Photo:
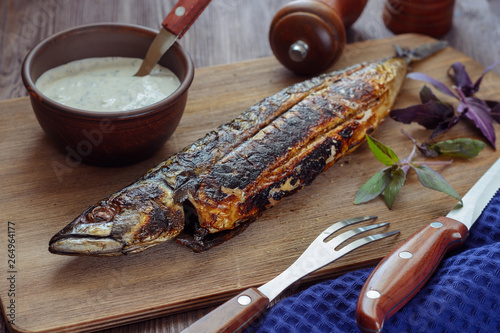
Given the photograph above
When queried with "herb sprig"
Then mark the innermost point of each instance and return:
(388, 181)
(441, 116)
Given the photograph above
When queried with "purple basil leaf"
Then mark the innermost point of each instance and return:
(478, 82)
(420, 113)
(437, 84)
(430, 115)
(444, 126)
(461, 78)
(495, 111)
(479, 112)
(491, 104)
(426, 95)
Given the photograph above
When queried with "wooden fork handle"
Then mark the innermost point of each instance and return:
(234, 315)
(183, 15)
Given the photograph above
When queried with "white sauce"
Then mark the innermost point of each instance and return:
(106, 84)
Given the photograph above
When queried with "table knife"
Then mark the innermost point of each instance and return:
(404, 271)
(177, 22)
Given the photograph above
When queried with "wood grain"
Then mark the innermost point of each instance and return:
(228, 31)
(58, 293)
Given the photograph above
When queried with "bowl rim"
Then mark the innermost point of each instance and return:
(108, 115)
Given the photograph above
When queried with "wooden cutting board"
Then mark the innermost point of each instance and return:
(59, 293)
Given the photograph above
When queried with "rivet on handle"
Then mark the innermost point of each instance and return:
(244, 300)
(180, 11)
(405, 255)
(373, 294)
(436, 224)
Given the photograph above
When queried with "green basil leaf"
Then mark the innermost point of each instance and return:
(391, 191)
(433, 180)
(382, 153)
(373, 187)
(461, 148)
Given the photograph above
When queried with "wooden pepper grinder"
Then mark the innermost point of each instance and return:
(307, 36)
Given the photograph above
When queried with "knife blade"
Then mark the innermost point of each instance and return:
(404, 271)
(177, 22)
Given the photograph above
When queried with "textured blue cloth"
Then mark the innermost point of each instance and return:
(462, 296)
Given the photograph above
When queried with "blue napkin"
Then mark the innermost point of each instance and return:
(462, 296)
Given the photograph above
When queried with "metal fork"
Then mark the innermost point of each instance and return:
(237, 313)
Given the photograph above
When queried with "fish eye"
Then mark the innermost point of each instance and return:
(101, 214)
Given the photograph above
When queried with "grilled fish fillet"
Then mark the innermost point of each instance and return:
(214, 188)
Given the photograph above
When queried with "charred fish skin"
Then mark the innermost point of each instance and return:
(211, 190)
(205, 152)
(273, 164)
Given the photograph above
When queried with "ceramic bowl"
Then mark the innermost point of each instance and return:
(106, 138)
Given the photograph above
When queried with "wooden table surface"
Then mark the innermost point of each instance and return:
(228, 31)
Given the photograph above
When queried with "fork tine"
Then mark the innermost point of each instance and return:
(364, 241)
(351, 233)
(342, 224)
(320, 253)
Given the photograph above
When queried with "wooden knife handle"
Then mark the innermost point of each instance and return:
(183, 15)
(234, 315)
(404, 271)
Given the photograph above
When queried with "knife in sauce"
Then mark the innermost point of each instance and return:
(404, 271)
(177, 22)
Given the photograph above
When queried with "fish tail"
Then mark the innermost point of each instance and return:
(420, 52)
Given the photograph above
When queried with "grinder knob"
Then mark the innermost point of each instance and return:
(307, 36)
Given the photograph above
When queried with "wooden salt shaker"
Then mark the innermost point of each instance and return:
(429, 17)
(307, 36)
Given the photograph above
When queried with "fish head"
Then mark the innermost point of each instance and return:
(129, 221)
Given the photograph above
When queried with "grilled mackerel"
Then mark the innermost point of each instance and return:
(214, 188)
